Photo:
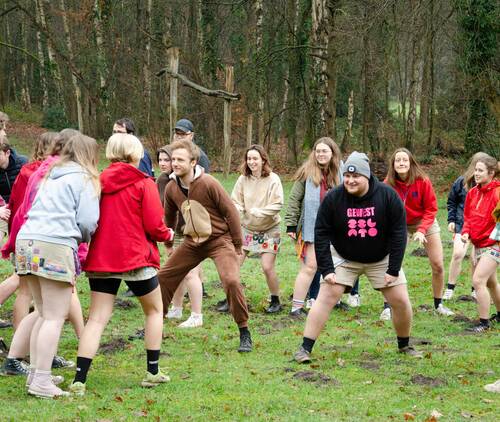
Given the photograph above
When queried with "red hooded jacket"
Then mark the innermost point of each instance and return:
(420, 202)
(130, 222)
(478, 220)
(19, 187)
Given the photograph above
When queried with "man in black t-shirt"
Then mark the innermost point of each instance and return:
(360, 229)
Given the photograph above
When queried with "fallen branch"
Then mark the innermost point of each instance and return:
(231, 96)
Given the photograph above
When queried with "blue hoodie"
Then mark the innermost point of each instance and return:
(65, 210)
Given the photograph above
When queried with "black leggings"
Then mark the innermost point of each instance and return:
(111, 285)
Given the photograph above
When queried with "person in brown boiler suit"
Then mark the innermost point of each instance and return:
(212, 230)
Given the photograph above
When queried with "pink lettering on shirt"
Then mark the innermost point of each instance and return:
(359, 224)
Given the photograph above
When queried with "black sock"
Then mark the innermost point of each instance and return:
(472, 289)
(153, 356)
(437, 302)
(82, 368)
(275, 299)
(498, 316)
(308, 344)
(244, 331)
(451, 286)
(386, 305)
(484, 322)
(403, 342)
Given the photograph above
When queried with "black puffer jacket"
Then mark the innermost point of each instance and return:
(455, 204)
(8, 175)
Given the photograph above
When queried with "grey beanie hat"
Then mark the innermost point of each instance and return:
(357, 162)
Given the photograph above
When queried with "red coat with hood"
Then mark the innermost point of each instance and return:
(479, 205)
(420, 202)
(130, 223)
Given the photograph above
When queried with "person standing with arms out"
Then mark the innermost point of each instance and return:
(319, 174)
(64, 213)
(124, 248)
(258, 196)
(212, 230)
(415, 190)
(455, 205)
(192, 281)
(480, 229)
(365, 222)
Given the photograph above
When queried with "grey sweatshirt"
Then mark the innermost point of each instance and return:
(65, 209)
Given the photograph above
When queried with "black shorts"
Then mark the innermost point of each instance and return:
(111, 285)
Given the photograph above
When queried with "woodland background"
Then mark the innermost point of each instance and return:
(372, 74)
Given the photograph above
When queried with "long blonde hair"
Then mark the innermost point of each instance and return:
(82, 150)
(311, 168)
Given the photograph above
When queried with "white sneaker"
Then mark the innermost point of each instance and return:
(354, 301)
(443, 310)
(386, 314)
(493, 388)
(195, 320)
(310, 303)
(174, 313)
(474, 295)
(448, 294)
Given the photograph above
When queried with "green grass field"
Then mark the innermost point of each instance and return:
(356, 373)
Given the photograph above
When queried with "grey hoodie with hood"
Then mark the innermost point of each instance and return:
(65, 210)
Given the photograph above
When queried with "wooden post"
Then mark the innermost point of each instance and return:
(174, 67)
(249, 130)
(227, 120)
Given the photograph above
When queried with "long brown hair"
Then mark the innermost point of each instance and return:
(43, 146)
(60, 140)
(266, 165)
(311, 168)
(415, 172)
(469, 173)
(491, 164)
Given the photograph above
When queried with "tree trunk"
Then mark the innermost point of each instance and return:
(41, 58)
(25, 88)
(412, 89)
(69, 46)
(147, 63)
(227, 121)
(174, 67)
(102, 66)
(259, 84)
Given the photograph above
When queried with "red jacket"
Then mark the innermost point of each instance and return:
(130, 222)
(420, 202)
(19, 187)
(478, 220)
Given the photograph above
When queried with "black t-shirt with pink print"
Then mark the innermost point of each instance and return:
(361, 229)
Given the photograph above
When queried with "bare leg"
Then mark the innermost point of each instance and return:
(152, 307)
(101, 309)
(22, 303)
(8, 287)
(20, 344)
(178, 298)
(56, 298)
(434, 250)
(459, 251)
(305, 275)
(267, 261)
(75, 314)
(193, 283)
(329, 295)
(485, 275)
(397, 297)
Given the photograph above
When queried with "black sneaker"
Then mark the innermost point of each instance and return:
(60, 362)
(342, 306)
(298, 314)
(223, 306)
(4, 349)
(5, 324)
(478, 329)
(245, 343)
(139, 335)
(274, 308)
(14, 367)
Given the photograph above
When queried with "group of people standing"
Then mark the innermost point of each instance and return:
(344, 222)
